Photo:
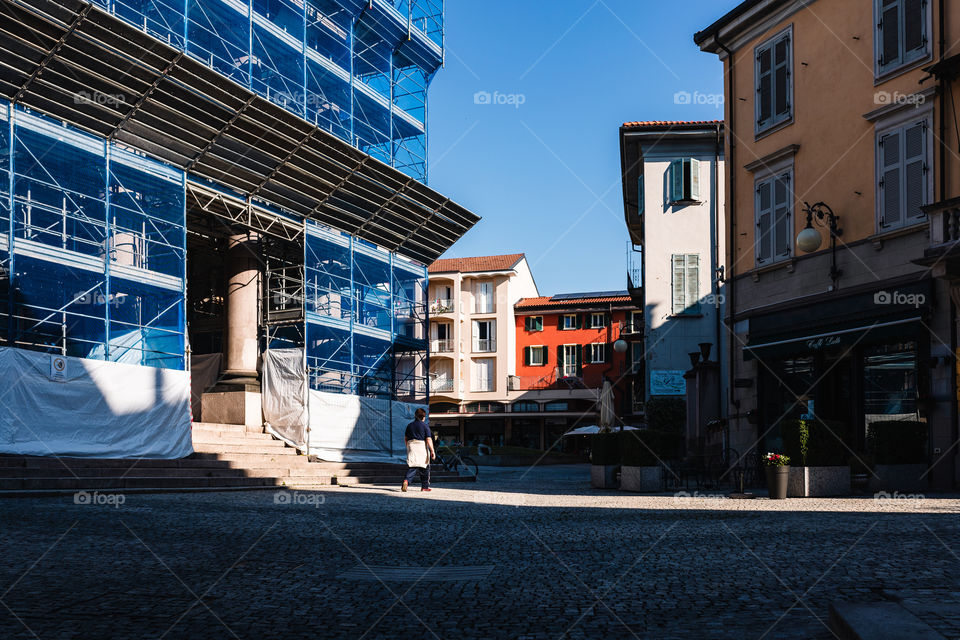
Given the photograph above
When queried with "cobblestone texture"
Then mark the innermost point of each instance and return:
(567, 561)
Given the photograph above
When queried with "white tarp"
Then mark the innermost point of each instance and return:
(284, 395)
(54, 405)
(354, 428)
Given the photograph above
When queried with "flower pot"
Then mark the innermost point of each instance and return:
(777, 481)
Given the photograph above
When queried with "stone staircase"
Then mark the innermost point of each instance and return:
(227, 458)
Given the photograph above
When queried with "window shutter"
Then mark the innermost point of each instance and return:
(692, 283)
(560, 358)
(694, 179)
(526, 356)
(560, 321)
(579, 320)
(544, 354)
(676, 181)
(579, 357)
(764, 85)
(914, 170)
(606, 320)
(606, 353)
(781, 218)
(678, 285)
(764, 241)
(526, 323)
(890, 213)
(781, 88)
(889, 33)
(914, 23)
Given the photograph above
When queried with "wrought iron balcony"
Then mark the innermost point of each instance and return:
(484, 346)
(441, 306)
(441, 346)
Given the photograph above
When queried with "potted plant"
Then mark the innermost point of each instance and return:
(642, 453)
(818, 447)
(604, 460)
(778, 473)
(899, 448)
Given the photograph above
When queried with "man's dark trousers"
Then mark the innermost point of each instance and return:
(424, 476)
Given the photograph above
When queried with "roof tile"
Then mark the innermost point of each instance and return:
(651, 124)
(480, 263)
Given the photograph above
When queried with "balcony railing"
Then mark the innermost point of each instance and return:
(441, 346)
(441, 306)
(944, 225)
(440, 386)
(484, 346)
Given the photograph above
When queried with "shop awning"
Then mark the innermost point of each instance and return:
(904, 327)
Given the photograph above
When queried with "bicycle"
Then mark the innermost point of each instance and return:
(452, 460)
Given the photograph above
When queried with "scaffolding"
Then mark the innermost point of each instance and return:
(359, 69)
(93, 248)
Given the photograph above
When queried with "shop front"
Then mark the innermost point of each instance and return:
(849, 362)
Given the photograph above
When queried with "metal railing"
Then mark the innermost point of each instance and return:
(441, 306)
(441, 385)
(484, 346)
(441, 346)
(488, 306)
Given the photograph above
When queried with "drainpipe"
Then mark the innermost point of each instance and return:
(717, 231)
(731, 199)
(944, 86)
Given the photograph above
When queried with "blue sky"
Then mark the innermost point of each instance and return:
(542, 166)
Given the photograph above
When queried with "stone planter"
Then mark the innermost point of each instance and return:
(903, 478)
(640, 478)
(818, 482)
(604, 476)
(777, 478)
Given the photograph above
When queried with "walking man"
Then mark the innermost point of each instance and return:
(419, 451)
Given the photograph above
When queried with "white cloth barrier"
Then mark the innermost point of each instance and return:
(284, 395)
(345, 428)
(53, 405)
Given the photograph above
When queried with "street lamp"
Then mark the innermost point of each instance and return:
(809, 239)
(620, 346)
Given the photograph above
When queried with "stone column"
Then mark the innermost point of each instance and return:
(243, 289)
(235, 399)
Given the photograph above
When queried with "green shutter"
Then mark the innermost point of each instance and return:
(606, 352)
(545, 352)
(526, 356)
(579, 351)
(694, 179)
(526, 323)
(560, 359)
(676, 181)
(560, 321)
(641, 196)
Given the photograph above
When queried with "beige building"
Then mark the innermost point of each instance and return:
(473, 339)
(842, 310)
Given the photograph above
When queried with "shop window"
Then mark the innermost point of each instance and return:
(525, 406)
(890, 382)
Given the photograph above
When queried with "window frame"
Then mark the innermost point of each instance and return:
(528, 355)
(899, 123)
(564, 321)
(528, 324)
(885, 72)
(771, 178)
(593, 353)
(687, 190)
(775, 121)
(603, 320)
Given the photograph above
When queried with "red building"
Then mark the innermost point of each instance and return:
(564, 351)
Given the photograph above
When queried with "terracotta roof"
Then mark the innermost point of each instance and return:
(567, 300)
(653, 124)
(480, 263)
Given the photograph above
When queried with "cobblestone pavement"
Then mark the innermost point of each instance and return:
(518, 555)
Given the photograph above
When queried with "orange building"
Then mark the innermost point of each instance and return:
(564, 352)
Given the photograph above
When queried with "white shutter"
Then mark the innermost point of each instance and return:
(764, 208)
(694, 179)
(678, 288)
(891, 213)
(914, 170)
(476, 334)
(781, 216)
(692, 283)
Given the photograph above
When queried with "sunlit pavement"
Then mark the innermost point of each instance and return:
(520, 554)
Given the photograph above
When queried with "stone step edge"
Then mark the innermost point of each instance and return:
(884, 620)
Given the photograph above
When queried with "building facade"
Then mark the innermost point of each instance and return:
(838, 216)
(472, 342)
(674, 208)
(565, 352)
(227, 195)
